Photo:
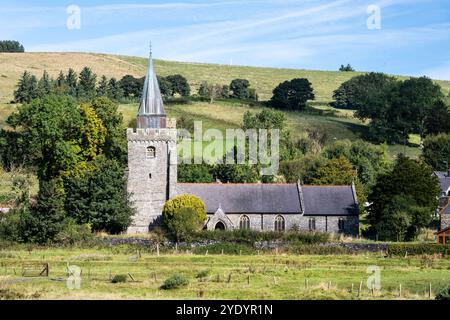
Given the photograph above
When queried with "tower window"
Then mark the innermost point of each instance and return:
(151, 152)
(149, 175)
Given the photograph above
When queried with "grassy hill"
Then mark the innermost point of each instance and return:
(12, 65)
(339, 124)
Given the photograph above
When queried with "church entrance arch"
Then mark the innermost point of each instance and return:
(220, 226)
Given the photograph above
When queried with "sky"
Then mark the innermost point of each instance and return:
(405, 37)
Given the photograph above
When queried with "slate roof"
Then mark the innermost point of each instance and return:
(443, 180)
(273, 198)
(329, 201)
(245, 198)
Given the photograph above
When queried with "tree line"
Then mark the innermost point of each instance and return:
(78, 151)
(396, 108)
(11, 46)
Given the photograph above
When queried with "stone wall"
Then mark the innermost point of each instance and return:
(262, 245)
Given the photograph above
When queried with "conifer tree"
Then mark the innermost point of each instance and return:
(102, 90)
(86, 85)
(72, 82)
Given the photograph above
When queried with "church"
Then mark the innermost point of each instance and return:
(152, 180)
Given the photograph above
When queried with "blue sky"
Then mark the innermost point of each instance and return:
(414, 38)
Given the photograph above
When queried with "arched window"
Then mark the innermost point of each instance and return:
(151, 152)
(244, 222)
(279, 223)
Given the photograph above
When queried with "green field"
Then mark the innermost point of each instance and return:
(265, 276)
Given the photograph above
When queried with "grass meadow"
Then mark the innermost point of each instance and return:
(259, 276)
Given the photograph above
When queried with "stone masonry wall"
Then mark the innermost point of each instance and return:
(150, 179)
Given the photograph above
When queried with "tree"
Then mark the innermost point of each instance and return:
(302, 169)
(340, 172)
(60, 84)
(368, 160)
(178, 85)
(292, 95)
(240, 89)
(114, 90)
(353, 93)
(436, 151)
(102, 89)
(266, 119)
(72, 82)
(44, 85)
(99, 197)
(396, 108)
(347, 68)
(44, 220)
(11, 46)
(165, 86)
(183, 215)
(115, 146)
(131, 86)
(27, 88)
(51, 128)
(195, 173)
(86, 85)
(413, 180)
(438, 120)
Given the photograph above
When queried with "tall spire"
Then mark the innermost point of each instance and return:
(151, 108)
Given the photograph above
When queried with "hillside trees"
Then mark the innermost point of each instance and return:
(436, 151)
(178, 85)
(292, 95)
(395, 108)
(74, 148)
(405, 197)
(240, 89)
(11, 46)
(438, 119)
(27, 88)
(353, 94)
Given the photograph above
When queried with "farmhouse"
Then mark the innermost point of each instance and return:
(152, 180)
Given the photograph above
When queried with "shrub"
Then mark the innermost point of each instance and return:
(120, 278)
(174, 282)
(247, 236)
(183, 215)
(226, 248)
(203, 274)
(444, 294)
(73, 233)
(400, 249)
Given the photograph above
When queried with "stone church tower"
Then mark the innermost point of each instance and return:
(152, 157)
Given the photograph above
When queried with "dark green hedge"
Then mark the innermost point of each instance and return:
(417, 249)
(251, 236)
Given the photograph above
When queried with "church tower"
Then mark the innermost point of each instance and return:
(152, 157)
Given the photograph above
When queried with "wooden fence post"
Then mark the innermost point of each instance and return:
(359, 289)
(429, 291)
(157, 249)
(400, 290)
(248, 279)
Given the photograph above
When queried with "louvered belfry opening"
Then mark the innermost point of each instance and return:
(151, 109)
